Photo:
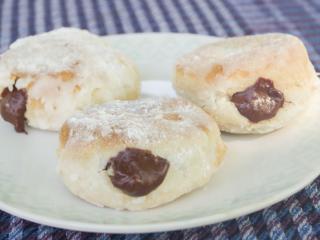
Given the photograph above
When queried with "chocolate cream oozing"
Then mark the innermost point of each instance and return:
(260, 101)
(13, 107)
(137, 172)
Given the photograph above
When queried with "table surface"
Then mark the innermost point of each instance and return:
(297, 217)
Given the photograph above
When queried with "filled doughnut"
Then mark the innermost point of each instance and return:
(138, 154)
(251, 84)
(48, 77)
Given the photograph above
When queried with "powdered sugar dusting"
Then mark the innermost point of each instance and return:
(238, 53)
(66, 70)
(263, 103)
(145, 120)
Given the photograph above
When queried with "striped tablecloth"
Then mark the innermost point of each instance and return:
(298, 217)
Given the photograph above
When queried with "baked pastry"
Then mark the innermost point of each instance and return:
(138, 154)
(251, 84)
(46, 78)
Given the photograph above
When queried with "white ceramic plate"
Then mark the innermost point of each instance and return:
(258, 170)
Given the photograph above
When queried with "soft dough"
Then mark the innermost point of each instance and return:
(64, 71)
(174, 130)
(212, 75)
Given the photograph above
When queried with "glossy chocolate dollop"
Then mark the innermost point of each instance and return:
(260, 101)
(13, 107)
(137, 172)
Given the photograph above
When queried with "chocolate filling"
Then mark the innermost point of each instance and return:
(13, 107)
(260, 101)
(137, 172)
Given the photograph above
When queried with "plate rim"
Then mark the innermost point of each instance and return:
(156, 34)
(157, 227)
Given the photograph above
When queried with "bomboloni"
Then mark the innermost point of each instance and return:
(138, 154)
(250, 84)
(48, 77)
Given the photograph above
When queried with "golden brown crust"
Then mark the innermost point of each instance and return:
(35, 104)
(68, 70)
(221, 151)
(213, 62)
(172, 117)
(173, 129)
(211, 74)
(123, 117)
(65, 76)
(64, 135)
(214, 72)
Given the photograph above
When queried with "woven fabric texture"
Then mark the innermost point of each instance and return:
(297, 217)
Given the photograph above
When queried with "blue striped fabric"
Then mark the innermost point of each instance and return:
(298, 217)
